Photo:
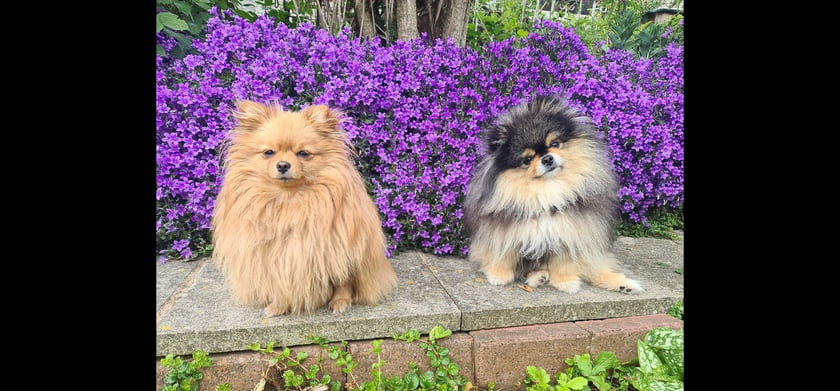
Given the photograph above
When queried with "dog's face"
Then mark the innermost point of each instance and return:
(286, 148)
(537, 159)
(544, 140)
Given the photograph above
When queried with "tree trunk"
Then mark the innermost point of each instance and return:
(330, 15)
(454, 21)
(406, 20)
(364, 19)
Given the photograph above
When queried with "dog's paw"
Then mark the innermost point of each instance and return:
(274, 310)
(568, 286)
(630, 287)
(494, 280)
(537, 278)
(499, 276)
(339, 304)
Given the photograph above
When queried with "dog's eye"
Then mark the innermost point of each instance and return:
(527, 161)
(268, 153)
(555, 144)
(303, 154)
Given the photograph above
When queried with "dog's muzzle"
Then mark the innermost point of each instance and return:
(548, 163)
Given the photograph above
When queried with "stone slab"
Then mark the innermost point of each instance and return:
(205, 316)
(170, 275)
(653, 262)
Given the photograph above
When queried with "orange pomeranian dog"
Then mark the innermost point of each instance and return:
(293, 227)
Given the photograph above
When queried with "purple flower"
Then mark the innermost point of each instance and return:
(413, 111)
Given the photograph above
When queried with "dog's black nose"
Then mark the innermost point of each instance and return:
(283, 167)
(547, 160)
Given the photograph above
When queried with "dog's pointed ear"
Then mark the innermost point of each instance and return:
(323, 116)
(327, 121)
(250, 114)
(496, 136)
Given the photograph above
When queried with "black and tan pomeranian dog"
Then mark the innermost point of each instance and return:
(294, 228)
(542, 203)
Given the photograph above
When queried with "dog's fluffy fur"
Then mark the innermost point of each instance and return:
(542, 203)
(293, 227)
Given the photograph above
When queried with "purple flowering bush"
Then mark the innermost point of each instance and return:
(413, 112)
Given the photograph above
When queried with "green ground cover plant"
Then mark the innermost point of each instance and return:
(184, 375)
(659, 366)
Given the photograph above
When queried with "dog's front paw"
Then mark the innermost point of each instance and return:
(496, 280)
(274, 310)
(568, 286)
(630, 287)
(499, 276)
(537, 278)
(339, 304)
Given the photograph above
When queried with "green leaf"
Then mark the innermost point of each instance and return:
(649, 362)
(411, 380)
(427, 380)
(204, 4)
(659, 385)
(170, 20)
(665, 338)
(439, 332)
(674, 361)
(333, 354)
(184, 7)
(600, 382)
(604, 361)
(577, 383)
(538, 374)
(584, 364)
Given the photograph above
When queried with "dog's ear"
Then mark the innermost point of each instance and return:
(495, 136)
(322, 116)
(250, 114)
(327, 122)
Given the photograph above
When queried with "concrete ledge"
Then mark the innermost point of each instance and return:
(495, 329)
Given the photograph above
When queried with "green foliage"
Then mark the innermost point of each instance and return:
(498, 20)
(676, 310)
(661, 224)
(604, 373)
(184, 375)
(184, 20)
(290, 13)
(537, 379)
(618, 24)
(643, 40)
(609, 24)
(592, 29)
(295, 374)
(443, 375)
(661, 361)
(659, 366)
